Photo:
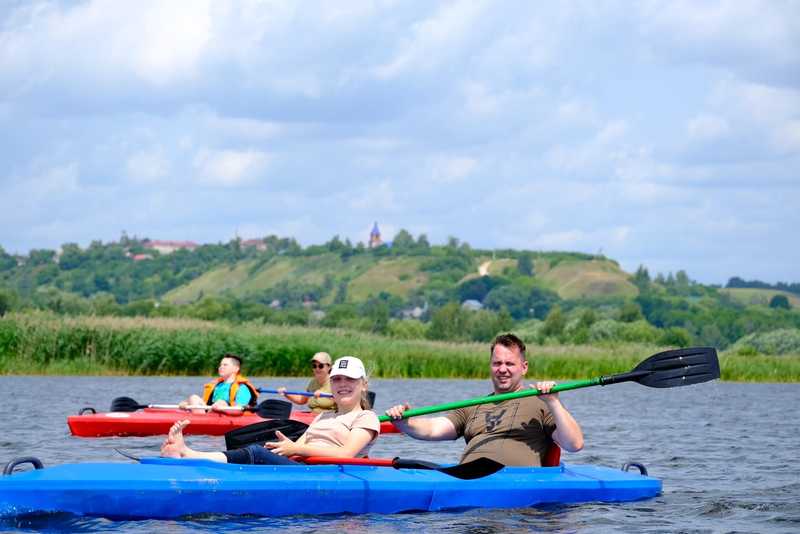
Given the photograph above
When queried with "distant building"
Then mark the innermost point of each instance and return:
(471, 305)
(140, 257)
(257, 244)
(375, 236)
(414, 313)
(168, 247)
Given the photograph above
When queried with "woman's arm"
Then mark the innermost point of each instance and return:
(356, 441)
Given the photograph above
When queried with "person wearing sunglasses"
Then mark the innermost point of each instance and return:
(321, 383)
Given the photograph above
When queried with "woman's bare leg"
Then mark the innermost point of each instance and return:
(174, 446)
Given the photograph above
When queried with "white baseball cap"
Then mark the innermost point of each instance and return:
(349, 366)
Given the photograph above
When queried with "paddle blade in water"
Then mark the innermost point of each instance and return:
(680, 367)
(478, 468)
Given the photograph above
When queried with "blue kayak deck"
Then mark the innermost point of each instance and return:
(166, 488)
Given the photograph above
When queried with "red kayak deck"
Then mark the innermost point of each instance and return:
(153, 422)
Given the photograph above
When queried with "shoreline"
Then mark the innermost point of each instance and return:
(50, 345)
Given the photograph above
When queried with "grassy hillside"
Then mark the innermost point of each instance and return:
(395, 276)
(366, 275)
(583, 279)
(759, 297)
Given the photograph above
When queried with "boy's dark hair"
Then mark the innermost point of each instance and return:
(233, 357)
(509, 341)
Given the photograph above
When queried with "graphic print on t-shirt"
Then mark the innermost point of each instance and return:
(491, 420)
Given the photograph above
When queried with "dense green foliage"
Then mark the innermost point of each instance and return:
(48, 343)
(782, 286)
(411, 290)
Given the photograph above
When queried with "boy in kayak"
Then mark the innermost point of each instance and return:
(512, 432)
(348, 432)
(321, 367)
(230, 389)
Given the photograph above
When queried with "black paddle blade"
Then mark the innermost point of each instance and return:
(274, 409)
(478, 468)
(263, 432)
(370, 399)
(125, 404)
(680, 367)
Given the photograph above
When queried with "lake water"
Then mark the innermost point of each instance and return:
(726, 453)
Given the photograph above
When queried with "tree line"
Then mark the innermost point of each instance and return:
(104, 279)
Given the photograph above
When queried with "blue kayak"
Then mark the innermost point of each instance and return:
(160, 488)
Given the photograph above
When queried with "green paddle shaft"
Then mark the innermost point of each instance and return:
(493, 398)
(668, 369)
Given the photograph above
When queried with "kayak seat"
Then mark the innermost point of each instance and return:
(552, 458)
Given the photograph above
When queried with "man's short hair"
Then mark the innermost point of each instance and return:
(509, 341)
(234, 357)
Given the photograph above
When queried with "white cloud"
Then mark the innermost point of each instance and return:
(478, 99)
(157, 42)
(230, 168)
(452, 169)
(725, 33)
(707, 127)
(434, 39)
(576, 111)
(377, 198)
(244, 128)
(495, 125)
(53, 182)
(787, 136)
(760, 102)
(147, 166)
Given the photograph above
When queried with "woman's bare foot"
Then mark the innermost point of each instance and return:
(174, 446)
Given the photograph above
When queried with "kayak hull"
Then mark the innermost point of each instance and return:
(161, 488)
(154, 422)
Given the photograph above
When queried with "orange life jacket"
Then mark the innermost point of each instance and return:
(240, 380)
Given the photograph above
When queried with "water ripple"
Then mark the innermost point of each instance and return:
(727, 463)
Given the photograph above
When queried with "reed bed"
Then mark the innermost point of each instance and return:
(41, 343)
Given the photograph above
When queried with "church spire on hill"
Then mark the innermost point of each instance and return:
(375, 236)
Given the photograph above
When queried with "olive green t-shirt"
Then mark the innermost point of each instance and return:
(513, 432)
(318, 405)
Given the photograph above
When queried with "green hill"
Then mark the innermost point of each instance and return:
(588, 279)
(367, 276)
(363, 275)
(758, 297)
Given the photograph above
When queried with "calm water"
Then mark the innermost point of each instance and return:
(726, 454)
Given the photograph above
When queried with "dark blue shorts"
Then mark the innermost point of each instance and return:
(256, 454)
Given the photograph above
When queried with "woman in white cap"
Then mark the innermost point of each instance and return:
(346, 433)
(321, 367)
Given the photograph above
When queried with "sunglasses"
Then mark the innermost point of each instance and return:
(315, 365)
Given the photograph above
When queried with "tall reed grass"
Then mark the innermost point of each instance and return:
(41, 343)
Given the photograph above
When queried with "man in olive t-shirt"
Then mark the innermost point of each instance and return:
(513, 432)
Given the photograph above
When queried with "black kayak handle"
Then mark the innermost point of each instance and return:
(642, 469)
(9, 468)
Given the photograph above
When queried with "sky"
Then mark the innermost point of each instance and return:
(663, 134)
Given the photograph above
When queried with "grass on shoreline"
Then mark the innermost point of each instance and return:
(38, 343)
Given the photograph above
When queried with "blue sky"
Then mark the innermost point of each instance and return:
(660, 133)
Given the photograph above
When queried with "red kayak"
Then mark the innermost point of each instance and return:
(156, 421)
